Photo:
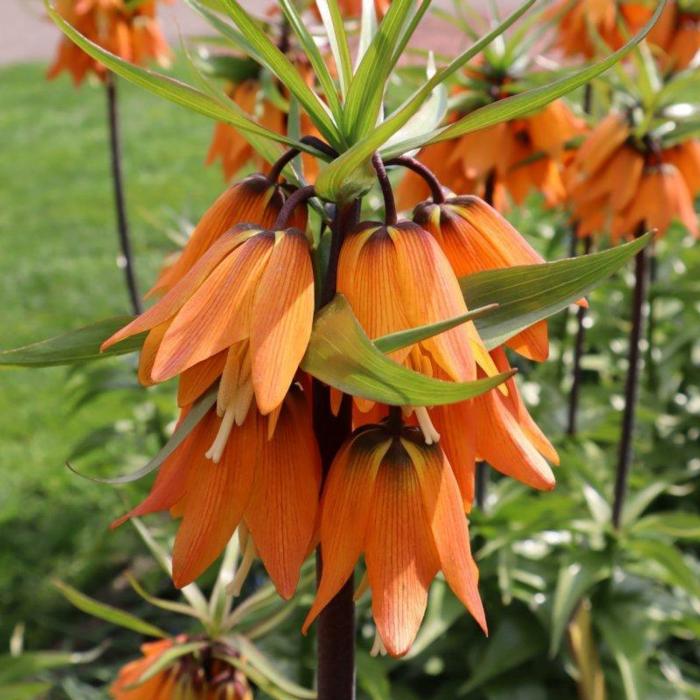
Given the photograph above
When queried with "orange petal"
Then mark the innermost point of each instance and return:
(283, 313)
(215, 499)
(281, 514)
(345, 511)
(197, 379)
(149, 351)
(443, 510)
(400, 554)
(218, 314)
(533, 342)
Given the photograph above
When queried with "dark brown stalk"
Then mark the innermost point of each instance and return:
(574, 395)
(436, 191)
(336, 623)
(631, 385)
(481, 475)
(127, 256)
(390, 216)
(293, 201)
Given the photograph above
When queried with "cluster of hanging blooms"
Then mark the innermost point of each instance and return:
(198, 675)
(506, 162)
(677, 34)
(234, 317)
(619, 181)
(128, 30)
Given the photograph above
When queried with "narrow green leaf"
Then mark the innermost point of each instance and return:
(80, 345)
(232, 68)
(350, 174)
(24, 691)
(531, 100)
(529, 293)
(167, 87)
(368, 29)
(682, 526)
(574, 581)
(15, 668)
(341, 355)
(169, 605)
(198, 411)
(402, 339)
(332, 20)
(285, 70)
(671, 564)
(107, 612)
(313, 53)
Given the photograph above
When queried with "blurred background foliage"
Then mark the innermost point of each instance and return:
(570, 601)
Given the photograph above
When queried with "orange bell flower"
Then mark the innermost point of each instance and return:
(255, 201)
(501, 432)
(512, 158)
(475, 237)
(397, 277)
(188, 677)
(244, 310)
(618, 184)
(266, 475)
(132, 34)
(395, 499)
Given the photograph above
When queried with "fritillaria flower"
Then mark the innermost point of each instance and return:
(195, 676)
(510, 160)
(395, 499)
(132, 33)
(677, 34)
(620, 183)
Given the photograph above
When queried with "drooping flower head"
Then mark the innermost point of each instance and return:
(619, 182)
(395, 500)
(196, 676)
(129, 30)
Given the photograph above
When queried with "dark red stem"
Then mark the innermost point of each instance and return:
(293, 201)
(436, 190)
(390, 217)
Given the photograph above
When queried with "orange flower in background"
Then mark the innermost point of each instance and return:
(677, 34)
(511, 159)
(353, 8)
(190, 676)
(265, 475)
(254, 200)
(132, 33)
(394, 499)
(583, 23)
(233, 149)
(619, 184)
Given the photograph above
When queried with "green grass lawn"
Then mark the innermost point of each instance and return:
(58, 271)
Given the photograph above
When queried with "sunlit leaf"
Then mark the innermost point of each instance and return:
(80, 345)
(682, 526)
(332, 19)
(529, 293)
(107, 612)
(341, 355)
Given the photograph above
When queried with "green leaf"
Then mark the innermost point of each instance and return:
(167, 87)
(669, 562)
(24, 691)
(80, 345)
(314, 55)
(532, 100)
(333, 22)
(341, 355)
(169, 605)
(682, 526)
(627, 647)
(529, 293)
(373, 676)
(402, 339)
(285, 70)
(232, 68)
(16, 668)
(574, 581)
(107, 612)
(185, 427)
(350, 174)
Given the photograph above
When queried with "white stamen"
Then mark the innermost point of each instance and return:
(378, 647)
(430, 435)
(234, 588)
(216, 450)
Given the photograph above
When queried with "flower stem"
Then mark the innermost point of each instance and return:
(631, 385)
(390, 217)
(293, 201)
(127, 258)
(336, 623)
(279, 165)
(579, 345)
(428, 175)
